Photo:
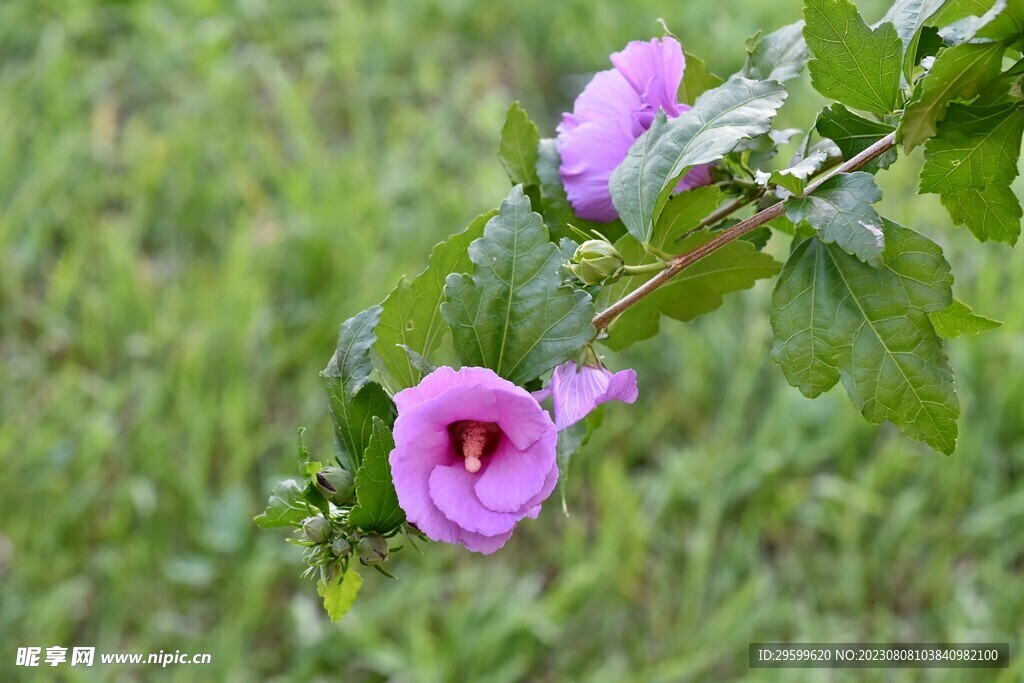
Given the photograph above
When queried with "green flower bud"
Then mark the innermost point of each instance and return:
(340, 547)
(596, 262)
(330, 571)
(336, 485)
(317, 529)
(373, 549)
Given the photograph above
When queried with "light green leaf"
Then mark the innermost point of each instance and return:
(835, 317)
(958, 318)
(353, 418)
(992, 213)
(410, 316)
(853, 134)
(377, 508)
(514, 315)
(794, 178)
(975, 147)
(643, 182)
(962, 19)
(1006, 25)
(518, 149)
(286, 506)
(909, 17)
(959, 72)
(841, 211)
(778, 56)
(339, 596)
(697, 79)
(858, 66)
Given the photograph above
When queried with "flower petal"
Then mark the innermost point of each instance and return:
(451, 489)
(442, 379)
(590, 153)
(655, 70)
(607, 96)
(479, 543)
(512, 477)
(578, 390)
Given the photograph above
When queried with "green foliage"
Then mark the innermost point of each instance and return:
(286, 507)
(377, 509)
(958, 318)
(721, 118)
(779, 56)
(909, 18)
(992, 213)
(836, 317)
(514, 315)
(976, 147)
(410, 320)
(793, 178)
(852, 63)
(840, 209)
(853, 133)
(697, 79)
(518, 149)
(339, 596)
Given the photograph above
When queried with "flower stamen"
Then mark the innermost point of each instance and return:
(473, 441)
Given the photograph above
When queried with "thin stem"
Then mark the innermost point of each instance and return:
(656, 267)
(681, 262)
(723, 213)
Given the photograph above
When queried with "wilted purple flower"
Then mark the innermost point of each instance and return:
(473, 455)
(617, 107)
(576, 390)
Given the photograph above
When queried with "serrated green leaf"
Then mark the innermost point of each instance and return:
(697, 79)
(858, 66)
(959, 72)
(779, 56)
(1006, 25)
(351, 363)
(975, 147)
(514, 315)
(643, 182)
(377, 508)
(411, 317)
(835, 317)
(353, 418)
(958, 318)
(992, 213)
(339, 596)
(840, 209)
(961, 19)
(518, 148)
(853, 134)
(793, 178)
(286, 506)
(909, 17)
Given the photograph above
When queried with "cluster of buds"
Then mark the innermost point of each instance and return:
(596, 262)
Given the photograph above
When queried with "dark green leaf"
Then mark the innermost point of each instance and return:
(975, 147)
(518, 149)
(351, 363)
(697, 79)
(643, 182)
(858, 66)
(377, 509)
(992, 213)
(422, 365)
(836, 317)
(339, 596)
(514, 315)
(286, 506)
(959, 72)
(959, 319)
(410, 316)
(794, 178)
(353, 418)
(778, 56)
(853, 134)
(841, 211)
(909, 18)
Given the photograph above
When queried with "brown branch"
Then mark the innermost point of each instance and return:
(605, 318)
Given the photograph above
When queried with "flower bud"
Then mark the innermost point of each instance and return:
(596, 262)
(317, 529)
(336, 484)
(330, 571)
(373, 549)
(341, 547)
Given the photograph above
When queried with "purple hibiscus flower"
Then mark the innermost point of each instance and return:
(576, 390)
(474, 454)
(617, 107)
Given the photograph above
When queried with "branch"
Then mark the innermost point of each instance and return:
(605, 318)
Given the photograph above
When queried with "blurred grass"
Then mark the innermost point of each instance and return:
(194, 195)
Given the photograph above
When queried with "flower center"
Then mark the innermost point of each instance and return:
(474, 441)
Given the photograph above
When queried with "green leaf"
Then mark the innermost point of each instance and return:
(410, 317)
(286, 506)
(959, 72)
(353, 418)
(959, 319)
(570, 441)
(514, 316)
(858, 66)
(841, 211)
(643, 182)
(518, 149)
(778, 56)
(853, 134)
(1006, 25)
(697, 79)
(794, 178)
(351, 363)
(992, 213)
(339, 596)
(909, 17)
(835, 317)
(424, 366)
(377, 508)
(975, 147)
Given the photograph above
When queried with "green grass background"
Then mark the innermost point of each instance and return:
(194, 194)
